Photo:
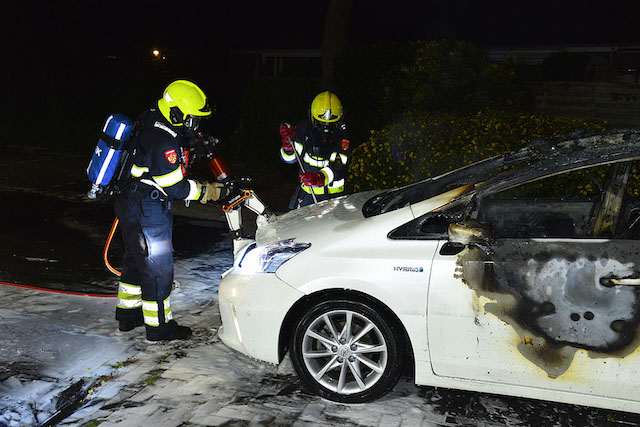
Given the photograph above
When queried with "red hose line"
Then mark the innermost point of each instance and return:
(56, 291)
(106, 248)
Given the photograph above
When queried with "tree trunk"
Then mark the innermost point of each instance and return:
(336, 38)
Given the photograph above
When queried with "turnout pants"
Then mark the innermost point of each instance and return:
(147, 265)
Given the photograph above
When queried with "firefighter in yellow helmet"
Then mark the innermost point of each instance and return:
(322, 145)
(162, 142)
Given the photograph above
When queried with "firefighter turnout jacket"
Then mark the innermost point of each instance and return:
(319, 152)
(161, 159)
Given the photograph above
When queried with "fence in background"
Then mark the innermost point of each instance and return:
(617, 103)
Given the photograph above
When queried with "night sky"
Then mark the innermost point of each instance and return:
(59, 51)
(116, 27)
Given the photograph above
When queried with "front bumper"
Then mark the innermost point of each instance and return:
(253, 307)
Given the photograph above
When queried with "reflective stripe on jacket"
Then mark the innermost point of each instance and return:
(159, 159)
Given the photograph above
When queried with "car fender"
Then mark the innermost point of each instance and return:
(409, 306)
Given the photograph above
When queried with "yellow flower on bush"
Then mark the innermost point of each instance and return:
(423, 145)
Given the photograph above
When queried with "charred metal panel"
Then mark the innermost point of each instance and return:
(554, 295)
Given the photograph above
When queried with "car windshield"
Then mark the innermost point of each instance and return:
(400, 197)
(541, 157)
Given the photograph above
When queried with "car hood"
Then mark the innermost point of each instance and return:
(315, 218)
(319, 222)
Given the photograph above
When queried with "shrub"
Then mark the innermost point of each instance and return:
(454, 77)
(378, 84)
(428, 144)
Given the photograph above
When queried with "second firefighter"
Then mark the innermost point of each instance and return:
(322, 145)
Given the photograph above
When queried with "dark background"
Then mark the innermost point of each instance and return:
(69, 64)
(205, 28)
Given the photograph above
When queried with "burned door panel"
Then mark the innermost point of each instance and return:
(555, 291)
(534, 299)
(491, 320)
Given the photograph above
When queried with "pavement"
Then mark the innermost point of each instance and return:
(90, 373)
(86, 373)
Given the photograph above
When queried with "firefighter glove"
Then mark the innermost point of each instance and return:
(288, 134)
(212, 191)
(312, 179)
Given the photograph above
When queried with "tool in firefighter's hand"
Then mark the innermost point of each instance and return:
(236, 194)
(315, 200)
(232, 184)
(204, 145)
(238, 197)
(205, 148)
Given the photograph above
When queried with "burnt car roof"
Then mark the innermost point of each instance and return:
(540, 157)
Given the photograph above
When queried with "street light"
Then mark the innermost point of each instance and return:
(156, 52)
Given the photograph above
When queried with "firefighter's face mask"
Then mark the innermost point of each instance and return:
(192, 122)
(325, 128)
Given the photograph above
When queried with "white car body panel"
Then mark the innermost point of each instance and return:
(407, 295)
(346, 255)
(453, 339)
(253, 308)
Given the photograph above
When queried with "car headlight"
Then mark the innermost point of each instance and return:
(267, 258)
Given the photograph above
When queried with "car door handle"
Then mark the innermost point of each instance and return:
(451, 248)
(614, 281)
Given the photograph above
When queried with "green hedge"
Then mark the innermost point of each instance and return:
(378, 84)
(428, 144)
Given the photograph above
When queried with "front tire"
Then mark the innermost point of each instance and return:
(346, 352)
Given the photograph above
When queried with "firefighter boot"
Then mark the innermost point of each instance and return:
(129, 319)
(168, 331)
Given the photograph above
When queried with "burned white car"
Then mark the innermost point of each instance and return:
(517, 275)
